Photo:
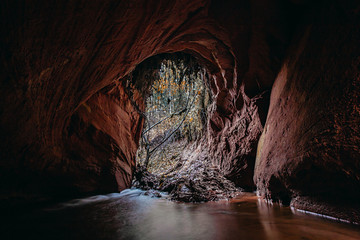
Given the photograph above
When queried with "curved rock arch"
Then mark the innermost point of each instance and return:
(63, 63)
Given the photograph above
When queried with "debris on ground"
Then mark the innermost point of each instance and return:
(191, 179)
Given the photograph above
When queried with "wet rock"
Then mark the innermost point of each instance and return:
(153, 193)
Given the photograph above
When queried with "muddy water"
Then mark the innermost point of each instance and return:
(132, 215)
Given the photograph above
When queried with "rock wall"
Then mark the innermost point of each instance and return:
(70, 125)
(260, 33)
(106, 127)
(64, 131)
(309, 150)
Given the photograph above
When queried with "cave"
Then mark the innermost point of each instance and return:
(283, 75)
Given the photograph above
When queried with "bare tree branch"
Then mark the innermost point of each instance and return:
(172, 115)
(148, 152)
(182, 121)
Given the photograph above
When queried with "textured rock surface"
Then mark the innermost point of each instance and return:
(68, 125)
(58, 56)
(309, 149)
(234, 147)
(260, 32)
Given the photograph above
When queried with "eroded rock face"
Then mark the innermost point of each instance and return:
(309, 150)
(70, 125)
(61, 130)
(243, 86)
(233, 145)
(106, 127)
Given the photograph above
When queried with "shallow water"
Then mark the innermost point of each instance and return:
(132, 215)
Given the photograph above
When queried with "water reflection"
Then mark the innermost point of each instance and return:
(132, 215)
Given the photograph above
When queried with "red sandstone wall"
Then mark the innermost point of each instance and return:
(67, 125)
(309, 150)
(63, 133)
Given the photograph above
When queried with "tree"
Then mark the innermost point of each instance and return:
(176, 102)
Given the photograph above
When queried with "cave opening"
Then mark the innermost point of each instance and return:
(283, 119)
(175, 115)
(173, 156)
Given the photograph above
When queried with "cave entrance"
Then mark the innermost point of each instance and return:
(173, 155)
(176, 110)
